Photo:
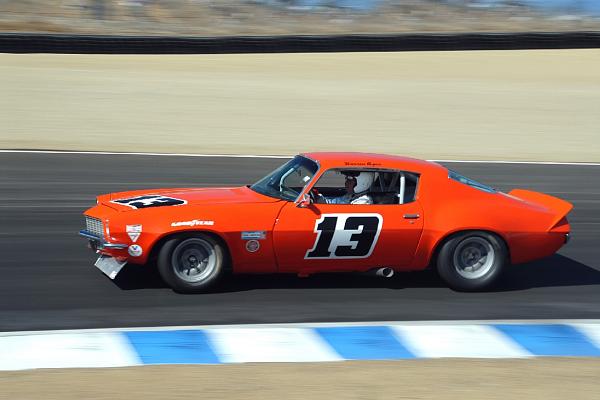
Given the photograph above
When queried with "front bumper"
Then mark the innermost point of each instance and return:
(109, 265)
(98, 243)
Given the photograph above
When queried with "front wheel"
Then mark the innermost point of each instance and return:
(191, 264)
(472, 261)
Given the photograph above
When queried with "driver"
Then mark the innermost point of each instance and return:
(356, 190)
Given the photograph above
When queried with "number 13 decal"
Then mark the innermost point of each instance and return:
(345, 236)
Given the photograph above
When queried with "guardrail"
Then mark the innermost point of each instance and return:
(93, 44)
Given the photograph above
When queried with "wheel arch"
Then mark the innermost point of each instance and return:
(449, 235)
(182, 234)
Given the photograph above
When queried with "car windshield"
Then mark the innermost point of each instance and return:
(467, 181)
(287, 181)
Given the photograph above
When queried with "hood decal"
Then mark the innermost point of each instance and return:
(134, 200)
(150, 200)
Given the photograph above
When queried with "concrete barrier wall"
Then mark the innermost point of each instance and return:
(519, 105)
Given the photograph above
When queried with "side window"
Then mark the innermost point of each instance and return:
(380, 186)
(395, 187)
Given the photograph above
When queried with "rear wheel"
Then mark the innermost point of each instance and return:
(472, 261)
(191, 264)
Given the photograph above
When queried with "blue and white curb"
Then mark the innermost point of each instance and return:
(297, 343)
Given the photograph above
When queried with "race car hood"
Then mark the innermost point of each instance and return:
(138, 199)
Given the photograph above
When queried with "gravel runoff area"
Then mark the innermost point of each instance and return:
(416, 379)
(518, 105)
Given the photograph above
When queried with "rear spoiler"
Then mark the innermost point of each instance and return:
(558, 206)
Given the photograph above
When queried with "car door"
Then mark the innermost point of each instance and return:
(346, 237)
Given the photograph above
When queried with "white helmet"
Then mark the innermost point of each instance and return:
(364, 180)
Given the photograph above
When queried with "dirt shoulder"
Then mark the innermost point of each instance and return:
(519, 105)
(415, 379)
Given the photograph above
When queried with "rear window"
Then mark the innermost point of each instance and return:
(470, 182)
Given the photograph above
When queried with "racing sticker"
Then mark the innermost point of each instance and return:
(345, 236)
(150, 200)
(194, 222)
(135, 250)
(254, 235)
(252, 246)
(134, 232)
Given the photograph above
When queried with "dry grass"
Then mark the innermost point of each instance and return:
(547, 379)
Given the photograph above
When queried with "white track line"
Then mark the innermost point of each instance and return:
(115, 153)
(111, 153)
(583, 164)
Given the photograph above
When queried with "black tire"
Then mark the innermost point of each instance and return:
(192, 264)
(464, 261)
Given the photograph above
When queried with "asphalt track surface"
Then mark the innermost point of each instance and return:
(48, 281)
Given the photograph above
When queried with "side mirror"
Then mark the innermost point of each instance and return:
(305, 201)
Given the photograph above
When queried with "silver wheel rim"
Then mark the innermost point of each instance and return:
(473, 257)
(194, 260)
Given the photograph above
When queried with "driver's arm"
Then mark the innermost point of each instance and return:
(364, 199)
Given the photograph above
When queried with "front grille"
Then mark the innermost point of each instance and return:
(94, 226)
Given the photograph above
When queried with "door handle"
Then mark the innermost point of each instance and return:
(411, 216)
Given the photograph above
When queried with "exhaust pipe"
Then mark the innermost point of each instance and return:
(385, 272)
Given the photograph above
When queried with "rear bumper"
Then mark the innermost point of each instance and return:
(98, 243)
(534, 246)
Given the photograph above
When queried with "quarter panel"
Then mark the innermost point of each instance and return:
(451, 207)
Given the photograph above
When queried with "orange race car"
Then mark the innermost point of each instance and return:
(329, 212)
